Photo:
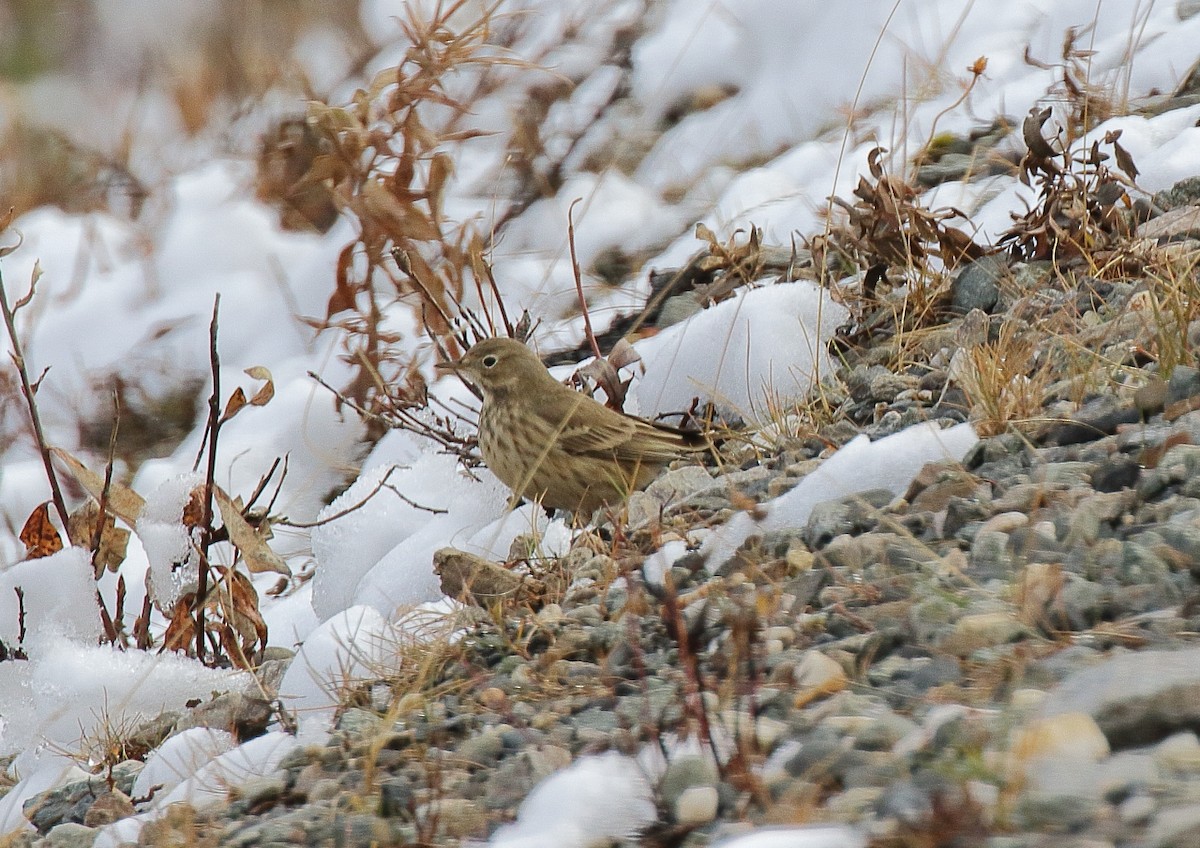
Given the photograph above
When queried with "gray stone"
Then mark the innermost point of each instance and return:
(1179, 223)
(678, 308)
(69, 835)
(684, 773)
(977, 286)
(1175, 827)
(1136, 698)
(1184, 382)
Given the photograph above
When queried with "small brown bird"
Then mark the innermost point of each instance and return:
(554, 445)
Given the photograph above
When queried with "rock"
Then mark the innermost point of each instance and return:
(1136, 698)
(108, 808)
(1066, 735)
(690, 774)
(1184, 382)
(71, 802)
(678, 308)
(1173, 225)
(69, 835)
(977, 286)
(454, 818)
(1095, 419)
(473, 579)
(816, 676)
(1117, 473)
(697, 805)
(1175, 827)
(983, 630)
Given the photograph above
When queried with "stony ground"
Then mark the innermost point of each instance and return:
(1005, 656)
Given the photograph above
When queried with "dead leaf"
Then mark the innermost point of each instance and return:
(245, 615)
(623, 354)
(121, 501)
(114, 541)
(605, 376)
(193, 510)
(39, 535)
(237, 402)
(263, 396)
(258, 555)
(180, 634)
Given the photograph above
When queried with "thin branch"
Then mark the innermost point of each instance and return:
(110, 629)
(18, 358)
(587, 319)
(508, 327)
(211, 433)
(380, 486)
(262, 483)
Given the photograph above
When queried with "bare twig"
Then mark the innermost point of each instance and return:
(262, 483)
(211, 433)
(110, 629)
(27, 389)
(380, 486)
(508, 326)
(587, 319)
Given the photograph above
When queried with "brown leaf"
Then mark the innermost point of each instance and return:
(440, 169)
(181, 632)
(400, 218)
(5, 251)
(237, 402)
(193, 510)
(247, 618)
(263, 396)
(623, 354)
(258, 555)
(344, 293)
(34, 276)
(121, 501)
(1031, 132)
(39, 535)
(1124, 159)
(605, 376)
(114, 541)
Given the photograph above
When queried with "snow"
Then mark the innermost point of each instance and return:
(170, 549)
(594, 800)
(889, 463)
(751, 353)
(131, 302)
(828, 836)
(178, 758)
(58, 599)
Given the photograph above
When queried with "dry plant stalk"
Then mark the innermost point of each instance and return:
(384, 160)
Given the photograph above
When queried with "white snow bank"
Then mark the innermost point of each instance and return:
(209, 785)
(889, 463)
(593, 801)
(259, 757)
(69, 689)
(179, 758)
(761, 345)
(351, 646)
(824, 836)
(381, 554)
(58, 599)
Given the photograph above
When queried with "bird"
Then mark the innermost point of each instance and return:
(551, 444)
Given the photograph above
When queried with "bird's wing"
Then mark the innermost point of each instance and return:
(610, 434)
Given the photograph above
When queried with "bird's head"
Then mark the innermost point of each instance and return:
(499, 366)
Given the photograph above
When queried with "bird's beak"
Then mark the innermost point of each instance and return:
(448, 367)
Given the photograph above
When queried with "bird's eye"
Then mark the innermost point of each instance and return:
(490, 361)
